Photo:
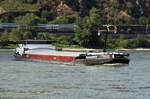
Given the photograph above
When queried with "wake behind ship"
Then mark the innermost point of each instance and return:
(44, 50)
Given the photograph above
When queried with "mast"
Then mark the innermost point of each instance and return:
(106, 36)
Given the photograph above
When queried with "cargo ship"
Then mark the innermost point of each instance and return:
(44, 50)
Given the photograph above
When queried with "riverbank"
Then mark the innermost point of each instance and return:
(138, 49)
(6, 50)
(84, 49)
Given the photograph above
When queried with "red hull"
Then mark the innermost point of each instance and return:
(50, 57)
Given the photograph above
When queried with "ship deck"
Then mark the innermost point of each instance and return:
(54, 53)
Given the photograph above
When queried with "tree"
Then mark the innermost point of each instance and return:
(114, 3)
(143, 20)
(4, 19)
(86, 35)
(60, 20)
(5, 36)
(141, 42)
(4, 39)
(97, 16)
(46, 16)
(122, 43)
(29, 19)
(132, 10)
(16, 35)
(44, 36)
(28, 35)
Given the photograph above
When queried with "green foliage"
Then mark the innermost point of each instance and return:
(87, 31)
(48, 8)
(97, 16)
(143, 20)
(112, 43)
(4, 19)
(129, 30)
(122, 42)
(132, 10)
(46, 16)
(91, 14)
(141, 42)
(63, 41)
(70, 2)
(114, 3)
(4, 36)
(44, 36)
(83, 35)
(59, 20)
(28, 35)
(25, 33)
(18, 4)
(138, 42)
(4, 39)
(16, 35)
(29, 19)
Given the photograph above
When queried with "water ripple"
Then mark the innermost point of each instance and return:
(37, 80)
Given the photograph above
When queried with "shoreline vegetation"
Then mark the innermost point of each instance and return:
(121, 49)
(85, 49)
(88, 15)
(138, 43)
